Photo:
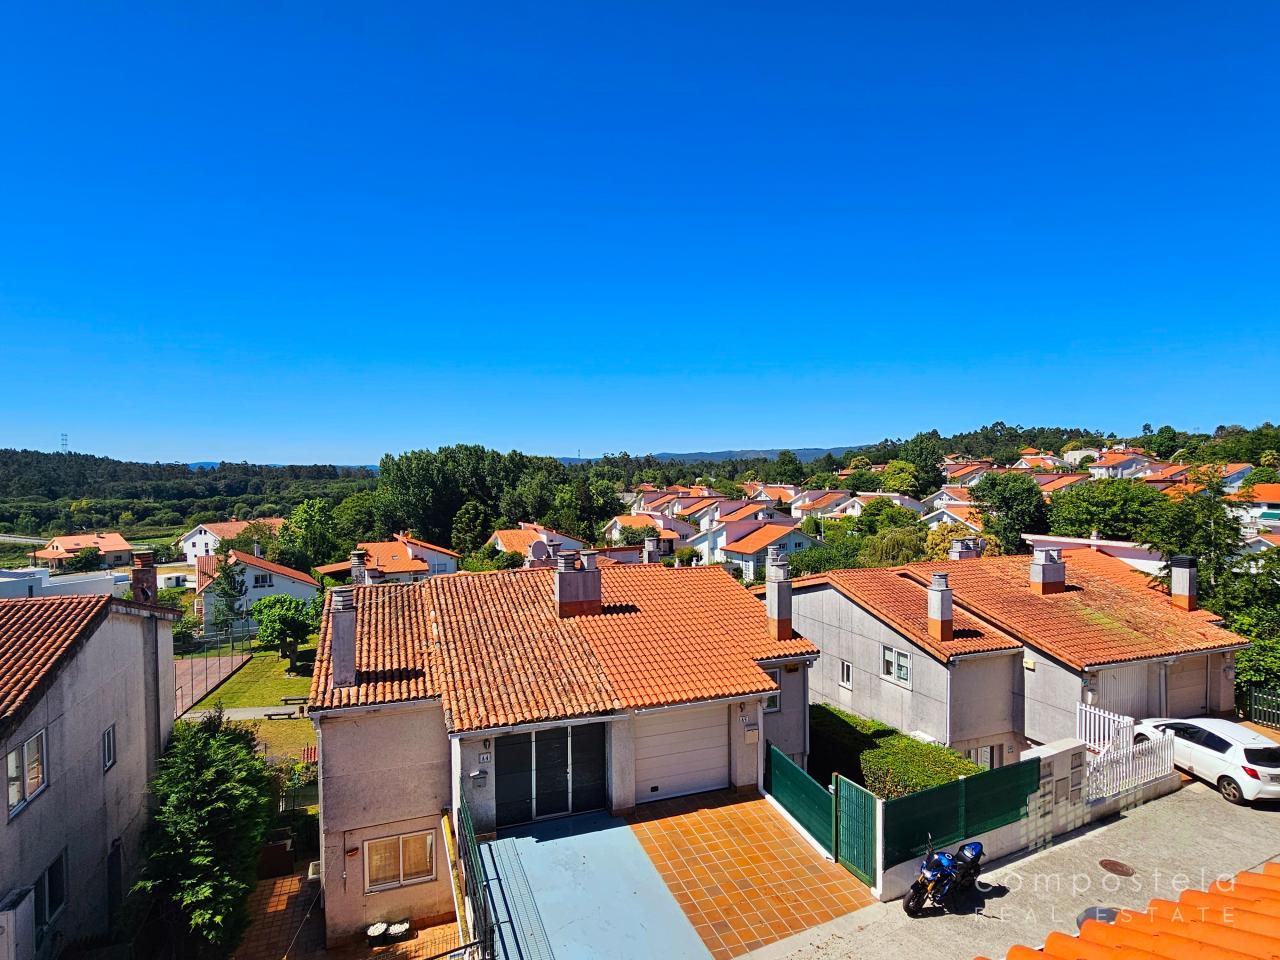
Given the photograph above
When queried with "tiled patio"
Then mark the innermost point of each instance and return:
(281, 925)
(741, 873)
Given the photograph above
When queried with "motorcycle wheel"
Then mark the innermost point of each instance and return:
(913, 902)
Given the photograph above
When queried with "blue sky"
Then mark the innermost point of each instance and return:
(319, 232)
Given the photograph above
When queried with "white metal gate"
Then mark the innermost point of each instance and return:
(1124, 690)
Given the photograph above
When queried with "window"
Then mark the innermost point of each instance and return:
(261, 580)
(895, 665)
(846, 674)
(397, 861)
(774, 701)
(109, 748)
(51, 894)
(24, 772)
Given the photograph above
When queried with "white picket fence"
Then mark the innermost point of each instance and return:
(1101, 729)
(1121, 769)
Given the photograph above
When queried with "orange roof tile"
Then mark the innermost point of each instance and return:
(761, 537)
(207, 568)
(747, 512)
(71, 544)
(225, 529)
(694, 505)
(492, 648)
(826, 500)
(1258, 493)
(965, 513)
(519, 541)
(1053, 482)
(638, 521)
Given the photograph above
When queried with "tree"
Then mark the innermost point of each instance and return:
(937, 544)
(215, 798)
(787, 468)
(892, 547)
(489, 557)
(900, 476)
(90, 558)
(881, 514)
(225, 591)
(924, 452)
(1010, 505)
(1260, 475)
(1200, 525)
(1269, 459)
(265, 535)
(1117, 509)
(356, 519)
(636, 536)
(283, 623)
(862, 481)
(307, 538)
(1248, 600)
(472, 526)
(825, 556)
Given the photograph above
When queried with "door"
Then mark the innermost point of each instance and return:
(681, 751)
(1123, 690)
(1211, 755)
(549, 773)
(1183, 743)
(1188, 682)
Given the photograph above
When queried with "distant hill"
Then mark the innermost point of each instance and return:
(716, 456)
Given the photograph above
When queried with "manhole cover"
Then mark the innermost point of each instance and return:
(1116, 867)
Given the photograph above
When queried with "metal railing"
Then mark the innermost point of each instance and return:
(1264, 707)
(202, 663)
(476, 894)
(1121, 769)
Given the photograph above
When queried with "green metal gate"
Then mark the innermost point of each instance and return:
(808, 801)
(855, 829)
(1264, 707)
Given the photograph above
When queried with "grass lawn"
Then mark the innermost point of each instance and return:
(14, 555)
(286, 738)
(262, 682)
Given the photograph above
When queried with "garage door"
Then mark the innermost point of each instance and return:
(1124, 691)
(548, 773)
(1187, 687)
(681, 751)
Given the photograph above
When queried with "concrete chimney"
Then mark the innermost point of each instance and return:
(257, 548)
(144, 576)
(941, 626)
(777, 594)
(342, 636)
(1183, 577)
(359, 572)
(965, 548)
(650, 553)
(1048, 572)
(577, 590)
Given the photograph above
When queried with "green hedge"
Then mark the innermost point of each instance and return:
(888, 763)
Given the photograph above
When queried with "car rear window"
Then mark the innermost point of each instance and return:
(1263, 756)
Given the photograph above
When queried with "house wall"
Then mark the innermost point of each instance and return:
(279, 585)
(986, 704)
(122, 675)
(844, 631)
(788, 728)
(1050, 693)
(382, 773)
(199, 543)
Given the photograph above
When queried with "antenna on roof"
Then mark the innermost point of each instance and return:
(63, 442)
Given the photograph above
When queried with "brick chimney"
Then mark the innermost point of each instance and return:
(965, 548)
(777, 594)
(577, 590)
(940, 622)
(359, 573)
(649, 553)
(1048, 572)
(342, 636)
(144, 576)
(1183, 577)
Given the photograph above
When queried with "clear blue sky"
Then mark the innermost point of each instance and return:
(318, 232)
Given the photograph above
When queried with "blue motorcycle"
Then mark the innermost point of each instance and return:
(943, 876)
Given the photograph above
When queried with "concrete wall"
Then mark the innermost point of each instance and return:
(844, 631)
(1050, 693)
(122, 675)
(986, 704)
(788, 728)
(383, 772)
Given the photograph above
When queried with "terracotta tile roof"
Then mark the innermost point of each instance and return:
(964, 512)
(493, 649)
(638, 521)
(1166, 471)
(435, 548)
(1047, 463)
(761, 537)
(1177, 491)
(962, 494)
(1053, 482)
(207, 568)
(1237, 917)
(1272, 538)
(747, 512)
(519, 541)
(1115, 458)
(963, 470)
(662, 501)
(645, 487)
(826, 500)
(71, 544)
(785, 494)
(1258, 493)
(693, 506)
(390, 556)
(226, 529)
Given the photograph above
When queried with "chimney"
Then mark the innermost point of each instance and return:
(650, 552)
(940, 622)
(965, 548)
(257, 548)
(144, 576)
(359, 573)
(1048, 572)
(777, 594)
(342, 636)
(577, 591)
(1182, 582)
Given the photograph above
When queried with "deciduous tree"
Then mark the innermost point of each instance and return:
(1010, 505)
(1117, 509)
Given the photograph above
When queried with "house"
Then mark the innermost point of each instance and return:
(1051, 483)
(819, 503)
(1117, 463)
(1163, 475)
(1033, 459)
(860, 501)
(671, 532)
(529, 694)
(711, 541)
(1258, 506)
(37, 582)
(750, 550)
(991, 655)
(86, 709)
(965, 513)
(967, 474)
(402, 559)
(203, 540)
(1075, 457)
(946, 495)
(748, 510)
(262, 578)
(773, 492)
(523, 538)
(114, 550)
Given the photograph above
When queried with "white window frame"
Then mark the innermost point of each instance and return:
(108, 748)
(846, 675)
(401, 837)
(263, 581)
(775, 675)
(24, 754)
(897, 660)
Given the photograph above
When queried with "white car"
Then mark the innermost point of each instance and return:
(1243, 765)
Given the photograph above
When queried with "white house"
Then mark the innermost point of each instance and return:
(262, 578)
(751, 551)
(1115, 464)
(860, 502)
(671, 532)
(402, 559)
(1258, 506)
(818, 503)
(965, 513)
(947, 495)
(521, 539)
(202, 541)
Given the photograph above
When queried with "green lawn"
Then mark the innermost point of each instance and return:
(286, 738)
(262, 682)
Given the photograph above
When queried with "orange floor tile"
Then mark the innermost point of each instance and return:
(742, 874)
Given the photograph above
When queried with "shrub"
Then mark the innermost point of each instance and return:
(888, 763)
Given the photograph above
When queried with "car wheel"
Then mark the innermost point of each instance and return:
(1230, 790)
(1141, 738)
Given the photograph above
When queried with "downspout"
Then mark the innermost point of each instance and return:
(760, 759)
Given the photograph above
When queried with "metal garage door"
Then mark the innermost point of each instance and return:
(681, 751)
(549, 773)
(1188, 681)
(1123, 690)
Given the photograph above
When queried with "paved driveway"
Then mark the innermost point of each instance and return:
(1187, 839)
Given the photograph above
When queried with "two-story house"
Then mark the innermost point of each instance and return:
(203, 539)
(86, 709)
(751, 550)
(1258, 506)
(261, 577)
(113, 550)
(403, 559)
(531, 694)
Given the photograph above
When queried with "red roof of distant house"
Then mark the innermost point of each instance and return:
(1166, 471)
(207, 568)
(71, 544)
(965, 513)
(1258, 493)
(962, 494)
(519, 541)
(747, 512)
(645, 487)
(694, 505)
(389, 557)
(1053, 482)
(826, 500)
(963, 470)
(638, 521)
(758, 539)
(226, 529)
(493, 649)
